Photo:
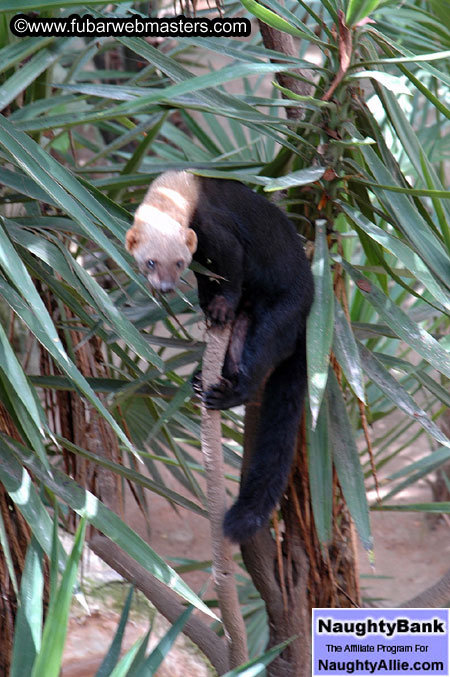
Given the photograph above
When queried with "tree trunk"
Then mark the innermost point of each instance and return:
(291, 571)
(18, 537)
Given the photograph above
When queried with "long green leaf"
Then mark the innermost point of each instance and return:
(28, 625)
(183, 394)
(52, 343)
(320, 474)
(48, 661)
(24, 185)
(438, 507)
(346, 460)
(415, 228)
(398, 395)
(16, 52)
(22, 419)
(135, 477)
(196, 84)
(418, 156)
(12, 368)
(299, 178)
(276, 21)
(319, 329)
(124, 665)
(420, 469)
(163, 647)
(244, 51)
(438, 104)
(346, 350)
(111, 658)
(136, 668)
(407, 256)
(424, 465)
(258, 665)
(391, 82)
(6, 551)
(401, 323)
(31, 70)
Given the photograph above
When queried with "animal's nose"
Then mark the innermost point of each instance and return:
(166, 286)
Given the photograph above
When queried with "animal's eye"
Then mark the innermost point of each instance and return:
(180, 264)
(151, 264)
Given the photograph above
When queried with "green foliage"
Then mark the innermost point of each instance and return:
(38, 650)
(320, 322)
(79, 143)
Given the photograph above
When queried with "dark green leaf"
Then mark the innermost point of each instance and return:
(320, 322)
(346, 460)
(399, 396)
(401, 323)
(113, 654)
(346, 350)
(28, 625)
(320, 474)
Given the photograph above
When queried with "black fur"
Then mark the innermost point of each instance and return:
(267, 294)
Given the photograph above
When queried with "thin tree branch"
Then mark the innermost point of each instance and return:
(223, 565)
(163, 599)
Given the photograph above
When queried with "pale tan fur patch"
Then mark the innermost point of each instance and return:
(175, 194)
(147, 214)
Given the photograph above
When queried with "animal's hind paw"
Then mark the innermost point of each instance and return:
(220, 311)
(223, 395)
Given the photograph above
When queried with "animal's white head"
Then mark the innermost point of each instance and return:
(162, 247)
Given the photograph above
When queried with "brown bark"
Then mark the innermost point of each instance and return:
(18, 538)
(285, 44)
(80, 423)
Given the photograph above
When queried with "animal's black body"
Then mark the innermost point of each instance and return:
(266, 294)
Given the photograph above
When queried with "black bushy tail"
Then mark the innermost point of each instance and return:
(272, 456)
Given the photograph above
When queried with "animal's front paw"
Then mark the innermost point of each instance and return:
(220, 311)
(222, 395)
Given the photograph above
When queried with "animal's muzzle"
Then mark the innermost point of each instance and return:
(165, 287)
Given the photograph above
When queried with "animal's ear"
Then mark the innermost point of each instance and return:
(132, 239)
(191, 240)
